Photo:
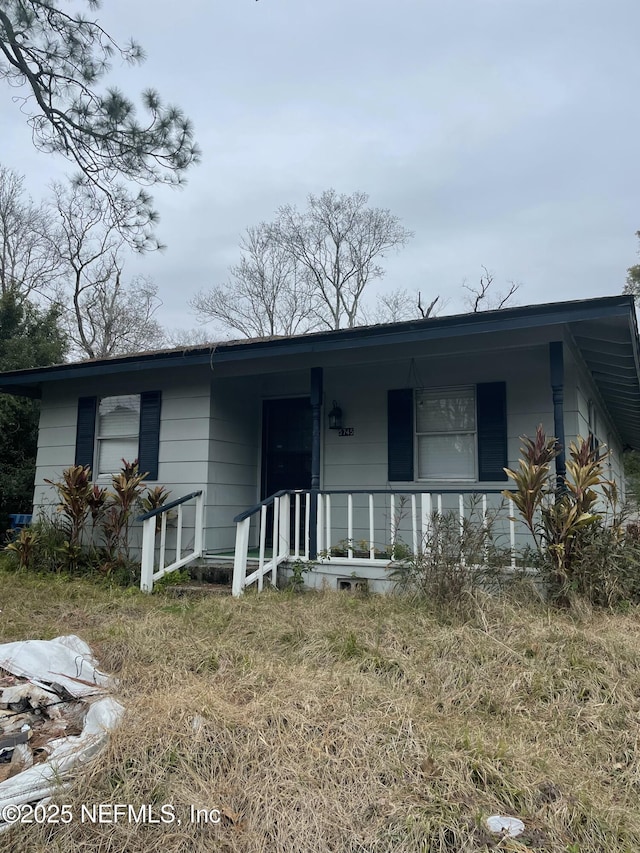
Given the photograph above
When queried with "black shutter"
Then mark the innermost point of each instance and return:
(492, 430)
(400, 434)
(149, 439)
(86, 431)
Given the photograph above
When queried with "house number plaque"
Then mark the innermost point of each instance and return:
(345, 432)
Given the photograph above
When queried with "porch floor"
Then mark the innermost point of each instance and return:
(252, 554)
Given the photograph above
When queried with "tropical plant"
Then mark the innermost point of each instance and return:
(154, 499)
(127, 488)
(558, 511)
(23, 546)
(75, 491)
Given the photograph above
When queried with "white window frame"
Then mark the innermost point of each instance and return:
(474, 432)
(106, 475)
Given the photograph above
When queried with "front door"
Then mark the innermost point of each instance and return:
(286, 445)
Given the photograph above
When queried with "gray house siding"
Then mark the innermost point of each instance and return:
(183, 443)
(233, 458)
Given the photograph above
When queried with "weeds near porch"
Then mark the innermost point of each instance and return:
(455, 557)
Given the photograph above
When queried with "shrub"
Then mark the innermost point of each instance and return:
(91, 528)
(23, 546)
(455, 557)
(576, 523)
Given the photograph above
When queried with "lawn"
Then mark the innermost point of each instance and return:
(328, 722)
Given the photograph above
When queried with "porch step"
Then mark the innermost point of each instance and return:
(195, 588)
(212, 570)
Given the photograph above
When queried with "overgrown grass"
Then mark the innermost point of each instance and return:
(331, 722)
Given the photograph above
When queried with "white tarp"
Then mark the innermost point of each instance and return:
(66, 661)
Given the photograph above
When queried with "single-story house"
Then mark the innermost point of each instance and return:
(360, 433)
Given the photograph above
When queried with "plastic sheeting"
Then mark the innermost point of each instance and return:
(65, 661)
(505, 825)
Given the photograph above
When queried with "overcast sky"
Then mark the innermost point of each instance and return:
(503, 133)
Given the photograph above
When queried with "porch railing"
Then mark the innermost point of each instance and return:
(281, 546)
(150, 530)
(306, 525)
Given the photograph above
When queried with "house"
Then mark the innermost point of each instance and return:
(359, 433)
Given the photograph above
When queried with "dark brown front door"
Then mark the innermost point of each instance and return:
(286, 445)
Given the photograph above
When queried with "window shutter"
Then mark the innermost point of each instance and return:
(400, 434)
(149, 441)
(86, 431)
(492, 430)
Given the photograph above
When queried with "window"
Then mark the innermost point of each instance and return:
(113, 428)
(438, 433)
(446, 434)
(117, 431)
(594, 427)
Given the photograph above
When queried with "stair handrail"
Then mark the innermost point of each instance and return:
(280, 501)
(166, 507)
(149, 532)
(247, 513)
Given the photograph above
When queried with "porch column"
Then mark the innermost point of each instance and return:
(556, 370)
(316, 414)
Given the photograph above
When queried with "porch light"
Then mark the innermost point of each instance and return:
(335, 417)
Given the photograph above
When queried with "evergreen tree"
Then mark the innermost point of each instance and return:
(56, 60)
(29, 337)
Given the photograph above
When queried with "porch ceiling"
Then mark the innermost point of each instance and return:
(609, 348)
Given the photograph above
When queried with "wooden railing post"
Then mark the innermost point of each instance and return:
(198, 542)
(148, 554)
(284, 539)
(296, 528)
(312, 523)
(240, 557)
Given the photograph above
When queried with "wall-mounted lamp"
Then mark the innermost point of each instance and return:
(335, 417)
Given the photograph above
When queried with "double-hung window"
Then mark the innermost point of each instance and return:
(110, 429)
(455, 434)
(117, 432)
(446, 433)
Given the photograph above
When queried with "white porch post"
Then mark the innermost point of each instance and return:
(240, 557)
(148, 554)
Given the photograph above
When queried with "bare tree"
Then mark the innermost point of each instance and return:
(28, 266)
(430, 309)
(107, 316)
(268, 292)
(119, 318)
(193, 337)
(338, 241)
(394, 306)
(480, 298)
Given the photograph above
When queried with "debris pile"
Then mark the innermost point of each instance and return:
(54, 714)
(31, 717)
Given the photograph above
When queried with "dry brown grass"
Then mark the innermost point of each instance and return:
(334, 723)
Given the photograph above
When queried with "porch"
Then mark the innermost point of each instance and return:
(338, 538)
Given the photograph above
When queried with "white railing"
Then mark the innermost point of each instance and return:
(280, 549)
(150, 530)
(360, 528)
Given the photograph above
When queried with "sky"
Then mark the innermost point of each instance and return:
(503, 133)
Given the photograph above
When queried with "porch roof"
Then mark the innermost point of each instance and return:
(603, 330)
